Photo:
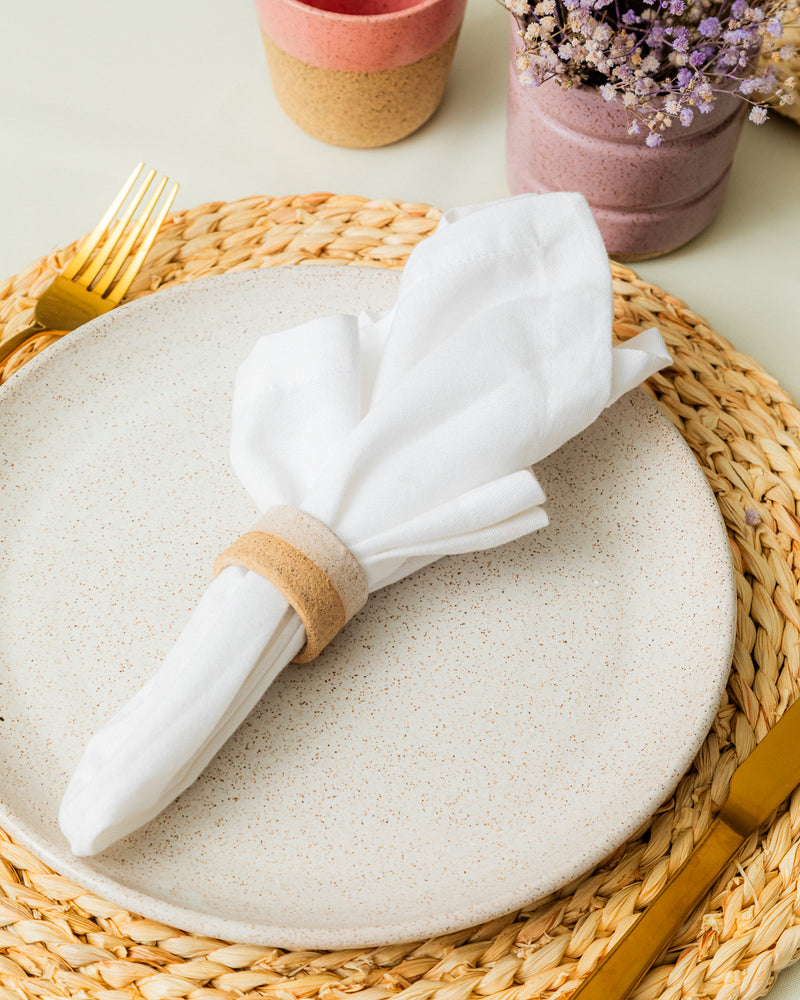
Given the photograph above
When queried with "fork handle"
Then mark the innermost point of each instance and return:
(8, 347)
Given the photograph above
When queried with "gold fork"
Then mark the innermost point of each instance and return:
(81, 292)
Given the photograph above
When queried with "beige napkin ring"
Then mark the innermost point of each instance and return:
(313, 569)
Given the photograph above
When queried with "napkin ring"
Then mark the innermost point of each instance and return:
(314, 570)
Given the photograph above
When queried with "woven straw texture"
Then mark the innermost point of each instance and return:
(56, 940)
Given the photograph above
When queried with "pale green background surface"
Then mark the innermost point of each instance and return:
(89, 88)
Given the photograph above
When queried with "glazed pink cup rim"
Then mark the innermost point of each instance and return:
(404, 9)
(360, 43)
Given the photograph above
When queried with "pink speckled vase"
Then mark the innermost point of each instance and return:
(359, 72)
(647, 201)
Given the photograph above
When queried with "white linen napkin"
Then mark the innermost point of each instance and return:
(410, 434)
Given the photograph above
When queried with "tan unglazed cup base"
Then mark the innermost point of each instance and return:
(359, 110)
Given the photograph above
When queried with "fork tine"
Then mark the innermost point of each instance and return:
(91, 241)
(103, 253)
(124, 283)
(119, 259)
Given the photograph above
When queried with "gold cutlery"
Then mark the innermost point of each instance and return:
(81, 292)
(759, 785)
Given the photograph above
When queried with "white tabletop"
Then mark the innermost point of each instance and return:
(90, 88)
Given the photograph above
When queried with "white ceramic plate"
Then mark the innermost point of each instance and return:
(483, 732)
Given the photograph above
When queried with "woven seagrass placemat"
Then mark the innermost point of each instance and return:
(57, 940)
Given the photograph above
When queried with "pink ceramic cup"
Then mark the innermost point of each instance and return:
(359, 72)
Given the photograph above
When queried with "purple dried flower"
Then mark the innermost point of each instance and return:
(681, 39)
(769, 81)
(709, 27)
(664, 60)
(741, 36)
(752, 517)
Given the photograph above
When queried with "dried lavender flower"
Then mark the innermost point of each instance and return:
(663, 60)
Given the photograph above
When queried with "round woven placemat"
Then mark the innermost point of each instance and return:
(57, 940)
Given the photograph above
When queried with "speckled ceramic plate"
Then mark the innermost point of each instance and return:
(484, 731)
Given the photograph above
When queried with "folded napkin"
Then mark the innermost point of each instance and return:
(410, 434)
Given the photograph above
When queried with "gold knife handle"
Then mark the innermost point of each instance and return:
(628, 961)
